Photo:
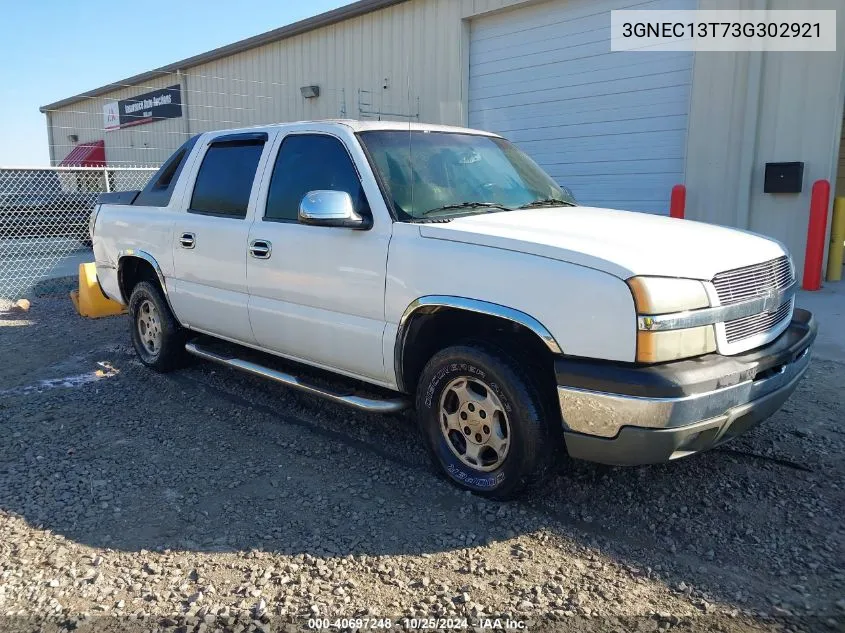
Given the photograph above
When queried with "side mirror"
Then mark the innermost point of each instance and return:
(330, 208)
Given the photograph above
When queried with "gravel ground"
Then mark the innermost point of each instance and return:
(209, 500)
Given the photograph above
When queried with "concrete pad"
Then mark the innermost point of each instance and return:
(828, 306)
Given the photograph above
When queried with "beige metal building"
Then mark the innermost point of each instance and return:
(618, 128)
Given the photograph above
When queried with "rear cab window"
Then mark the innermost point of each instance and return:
(226, 176)
(159, 189)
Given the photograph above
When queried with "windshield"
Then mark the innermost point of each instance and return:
(439, 175)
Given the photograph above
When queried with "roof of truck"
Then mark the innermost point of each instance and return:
(361, 126)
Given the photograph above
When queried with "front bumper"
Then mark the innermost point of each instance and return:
(628, 415)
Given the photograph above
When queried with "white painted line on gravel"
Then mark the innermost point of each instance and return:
(68, 382)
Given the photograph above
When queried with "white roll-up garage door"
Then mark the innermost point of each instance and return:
(610, 126)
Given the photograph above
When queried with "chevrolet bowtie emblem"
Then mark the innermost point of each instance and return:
(771, 300)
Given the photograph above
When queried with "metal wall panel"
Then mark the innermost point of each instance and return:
(403, 62)
(752, 108)
(148, 144)
(611, 126)
(394, 63)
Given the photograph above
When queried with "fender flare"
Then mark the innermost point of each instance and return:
(130, 252)
(432, 303)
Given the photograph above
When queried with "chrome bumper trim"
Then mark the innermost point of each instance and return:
(604, 414)
(718, 314)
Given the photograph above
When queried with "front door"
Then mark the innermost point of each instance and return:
(209, 291)
(317, 293)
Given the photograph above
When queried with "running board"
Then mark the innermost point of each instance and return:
(362, 403)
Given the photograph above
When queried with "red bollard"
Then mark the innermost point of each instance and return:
(816, 230)
(678, 202)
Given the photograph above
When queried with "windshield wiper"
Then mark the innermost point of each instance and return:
(467, 205)
(547, 202)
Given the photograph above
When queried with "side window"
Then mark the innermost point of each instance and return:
(166, 176)
(225, 178)
(159, 189)
(307, 162)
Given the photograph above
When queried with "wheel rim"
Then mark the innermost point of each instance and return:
(149, 326)
(474, 424)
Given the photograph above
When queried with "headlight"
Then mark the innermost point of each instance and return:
(659, 295)
(665, 295)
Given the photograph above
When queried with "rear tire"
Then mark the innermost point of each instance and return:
(483, 422)
(158, 338)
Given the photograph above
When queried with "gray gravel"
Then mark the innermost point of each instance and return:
(209, 500)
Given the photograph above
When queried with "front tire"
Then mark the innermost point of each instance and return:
(158, 338)
(483, 422)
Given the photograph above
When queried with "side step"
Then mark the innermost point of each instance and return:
(363, 403)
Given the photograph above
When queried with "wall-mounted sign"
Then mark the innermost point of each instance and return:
(146, 108)
(111, 116)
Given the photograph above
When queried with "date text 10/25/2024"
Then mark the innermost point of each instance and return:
(427, 624)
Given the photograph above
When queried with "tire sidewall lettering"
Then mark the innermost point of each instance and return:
(452, 368)
(454, 467)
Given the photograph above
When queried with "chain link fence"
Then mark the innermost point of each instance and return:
(44, 215)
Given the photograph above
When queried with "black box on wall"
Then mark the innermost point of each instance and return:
(783, 178)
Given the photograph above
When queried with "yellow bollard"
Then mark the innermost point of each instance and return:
(837, 241)
(89, 300)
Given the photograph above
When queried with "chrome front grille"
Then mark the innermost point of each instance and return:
(740, 329)
(749, 282)
(752, 282)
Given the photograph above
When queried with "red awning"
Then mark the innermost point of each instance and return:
(91, 154)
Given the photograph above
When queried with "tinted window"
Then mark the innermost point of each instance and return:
(165, 177)
(159, 190)
(225, 178)
(309, 162)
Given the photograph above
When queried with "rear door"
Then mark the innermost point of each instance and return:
(209, 289)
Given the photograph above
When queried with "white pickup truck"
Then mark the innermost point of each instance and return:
(440, 268)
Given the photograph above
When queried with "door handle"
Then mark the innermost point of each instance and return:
(187, 240)
(260, 249)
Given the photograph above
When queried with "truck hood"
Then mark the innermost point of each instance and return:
(622, 243)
